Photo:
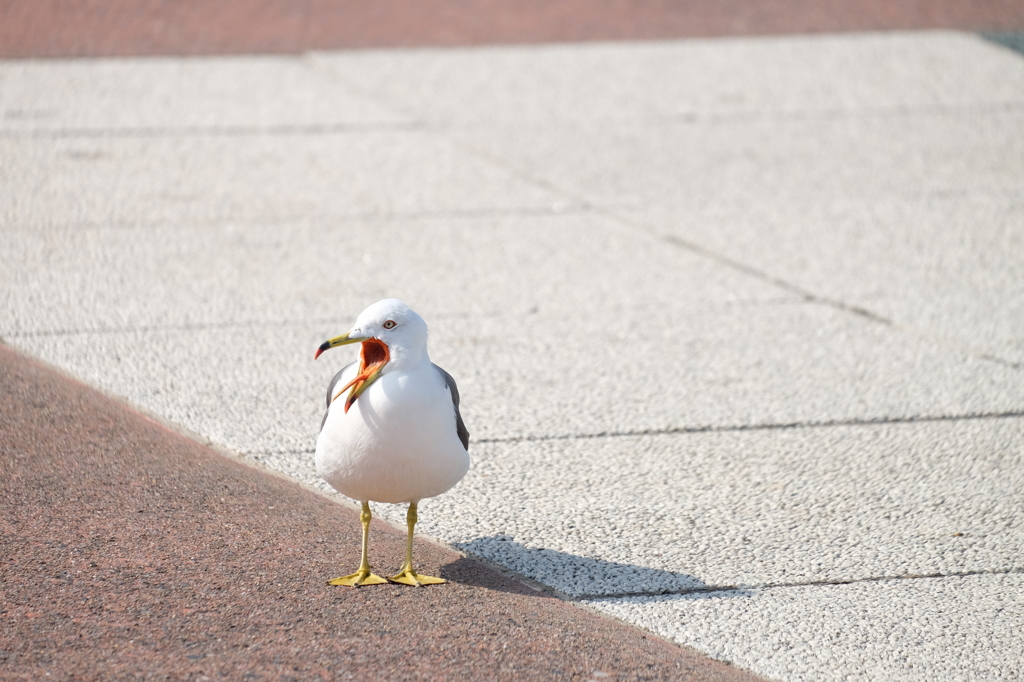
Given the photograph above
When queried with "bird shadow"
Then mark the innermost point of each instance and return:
(572, 575)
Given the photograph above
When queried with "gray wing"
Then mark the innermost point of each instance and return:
(460, 426)
(330, 391)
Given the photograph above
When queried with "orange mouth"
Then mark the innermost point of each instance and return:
(373, 355)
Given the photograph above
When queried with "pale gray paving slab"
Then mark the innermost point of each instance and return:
(962, 628)
(179, 179)
(675, 512)
(565, 375)
(107, 96)
(606, 515)
(249, 388)
(676, 343)
(687, 79)
(791, 155)
(617, 514)
(917, 218)
(717, 362)
(117, 278)
(633, 371)
(146, 313)
(770, 165)
(945, 266)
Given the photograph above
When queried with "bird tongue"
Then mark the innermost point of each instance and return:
(373, 355)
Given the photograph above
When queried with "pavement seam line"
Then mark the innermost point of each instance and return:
(417, 124)
(317, 65)
(729, 428)
(303, 219)
(249, 461)
(204, 326)
(684, 430)
(733, 264)
(585, 601)
(810, 583)
(209, 131)
(811, 297)
(587, 207)
(529, 176)
(341, 319)
(310, 60)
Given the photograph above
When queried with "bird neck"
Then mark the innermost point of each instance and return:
(403, 359)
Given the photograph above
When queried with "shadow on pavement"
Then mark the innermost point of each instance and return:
(579, 577)
(1014, 41)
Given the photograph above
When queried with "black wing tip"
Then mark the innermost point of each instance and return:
(460, 426)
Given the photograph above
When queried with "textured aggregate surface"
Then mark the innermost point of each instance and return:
(132, 552)
(723, 314)
(954, 628)
(697, 81)
(748, 508)
(863, 169)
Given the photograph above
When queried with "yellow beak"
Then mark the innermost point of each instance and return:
(342, 340)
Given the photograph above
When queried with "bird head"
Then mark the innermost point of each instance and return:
(392, 336)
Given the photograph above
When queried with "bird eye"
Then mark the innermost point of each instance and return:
(390, 324)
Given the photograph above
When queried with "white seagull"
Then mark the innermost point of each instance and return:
(398, 435)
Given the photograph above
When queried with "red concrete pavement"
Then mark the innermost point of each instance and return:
(64, 28)
(127, 550)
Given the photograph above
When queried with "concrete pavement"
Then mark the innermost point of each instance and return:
(131, 551)
(736, 322)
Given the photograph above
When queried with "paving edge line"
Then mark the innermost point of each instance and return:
(343, 501)
(195, 437)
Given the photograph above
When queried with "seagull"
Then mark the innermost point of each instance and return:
(398, 436)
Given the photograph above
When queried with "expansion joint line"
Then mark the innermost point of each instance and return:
(180, 131)
(708, 589)
(759, 427)
(808, 296)
(811, 297)
(706, 429)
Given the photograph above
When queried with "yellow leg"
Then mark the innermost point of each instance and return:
(365, 574)
(407, 576)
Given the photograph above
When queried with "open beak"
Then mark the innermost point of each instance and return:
(373, 357)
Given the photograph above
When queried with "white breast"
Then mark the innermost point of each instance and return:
(397, 443)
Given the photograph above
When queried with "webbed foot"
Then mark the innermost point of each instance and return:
(410, 577)
(363, 576)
